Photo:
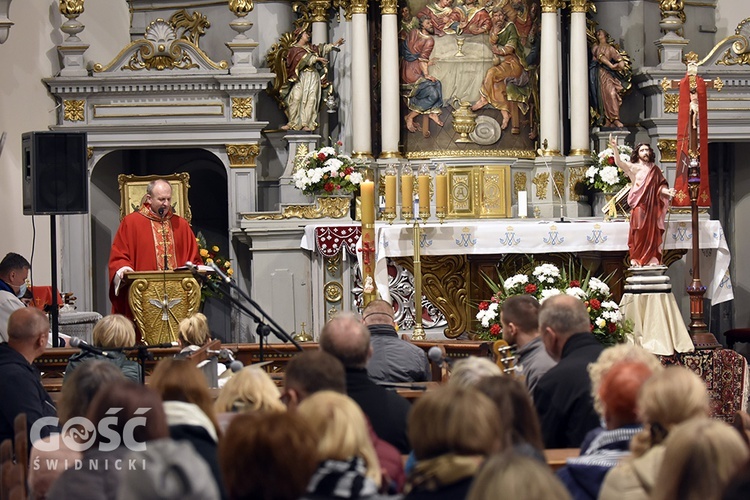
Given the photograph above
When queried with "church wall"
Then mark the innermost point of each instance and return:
(29, 55)
(741, 238)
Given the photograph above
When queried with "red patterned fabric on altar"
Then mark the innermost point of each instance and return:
(725, 373)
(328, 240)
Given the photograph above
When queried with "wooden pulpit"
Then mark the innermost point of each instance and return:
(160, 300)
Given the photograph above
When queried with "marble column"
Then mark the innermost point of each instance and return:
(361, 129)
(579, 83)
(389, 76)
(549, 78)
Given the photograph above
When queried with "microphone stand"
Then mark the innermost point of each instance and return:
(143, 355)
(263, 329)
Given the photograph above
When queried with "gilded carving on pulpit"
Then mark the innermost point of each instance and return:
(482, 54)
(301, 70)
(610, 73)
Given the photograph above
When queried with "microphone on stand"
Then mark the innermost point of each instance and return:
(217, 269)
(80, 344)
(435, 355)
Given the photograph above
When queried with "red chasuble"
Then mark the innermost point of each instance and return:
(141, 242)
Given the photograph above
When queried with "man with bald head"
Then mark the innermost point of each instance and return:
(393, 359)
(346, 338)
(563, 395)
(152, 239)
(21, 389)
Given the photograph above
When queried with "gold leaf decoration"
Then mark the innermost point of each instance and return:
(541, 181)
(671, 103)
(242, 155)
(242, 107)
(73, 110)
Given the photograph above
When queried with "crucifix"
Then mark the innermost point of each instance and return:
(692, 172)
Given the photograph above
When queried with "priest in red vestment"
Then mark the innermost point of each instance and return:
(152, 239)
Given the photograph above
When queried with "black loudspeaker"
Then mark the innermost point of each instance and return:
(55, 175)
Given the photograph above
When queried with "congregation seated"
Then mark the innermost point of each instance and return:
(309, 372)
(670, 397)
(188, 406)
(268, 455)
(467, 372)
(453, 430)
(518, 477)
(701, 456)
(348, 466)
(21, 389)
(92, 480)
(517, 411)
(193, 334)
(618, 392)
(111, 332)
(47, 464)
(346, 338)
(393, 359)
(248, 390)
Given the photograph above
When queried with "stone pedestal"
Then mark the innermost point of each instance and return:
(650, 279)
(299, 146)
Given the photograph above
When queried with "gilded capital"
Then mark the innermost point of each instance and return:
(359, 6)
(388, 7)
(319, 10)
(240, 8)
(578, 5)
(550, 5)
(71, 8)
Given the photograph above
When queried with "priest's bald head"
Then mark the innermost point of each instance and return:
(159, 196)
(346, 338)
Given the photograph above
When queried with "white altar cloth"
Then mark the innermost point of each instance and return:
(537, 237)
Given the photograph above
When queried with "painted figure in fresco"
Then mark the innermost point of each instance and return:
(607, 80)
(424, 92)
(508, 66)
(444, 16)
(649, 201)
(476, 19)
(307, 70)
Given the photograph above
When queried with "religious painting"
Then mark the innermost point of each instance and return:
(469, 73)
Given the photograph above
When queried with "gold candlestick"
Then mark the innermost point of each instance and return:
(441, 192)
(418, 333)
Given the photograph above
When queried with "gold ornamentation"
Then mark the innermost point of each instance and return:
(388, 7)
(576, 176)
(481, 153)
(579, 152)
(242, 107)
(190, 27)
(691, 58)
(464, 121)
(346, 6)
(333, 291)
(559, 180)
(359, 6)
(390, 154)
(334, 207)
(319, 10)
(578, 5)
(242, 155)
(519, 182)
(89, 152)
(332, 264)
(665, 84)
(299, 157)
(718, 84)
(447, 281)
(331, 313)
(479, 192)
(671, 103)
(303, 336)
(158, 304)
(240, 8)
(667, 149)
(71, 8)
(550, 5)
(541, 181)
(73, 110)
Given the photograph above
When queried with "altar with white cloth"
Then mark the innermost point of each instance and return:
(454, 240)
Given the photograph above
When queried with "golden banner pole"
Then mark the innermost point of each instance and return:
(367, 194)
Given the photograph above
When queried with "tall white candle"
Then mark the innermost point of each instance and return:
(523, 208)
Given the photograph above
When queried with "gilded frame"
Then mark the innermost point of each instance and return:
(133, 191)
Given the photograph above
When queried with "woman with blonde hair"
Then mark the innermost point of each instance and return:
(452, 430)
(348, 465)
(700, 457)
(250, 389)
(111, 332)
(194, 331)
(518, 477)
(189, 408)
(667, 399)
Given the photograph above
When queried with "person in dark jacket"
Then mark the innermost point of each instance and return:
(393, 359)
(21, 389)
(563, 395)
(111, 332)
(346, 338)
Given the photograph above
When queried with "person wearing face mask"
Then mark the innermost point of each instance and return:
(152, 239)
(14, 269)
